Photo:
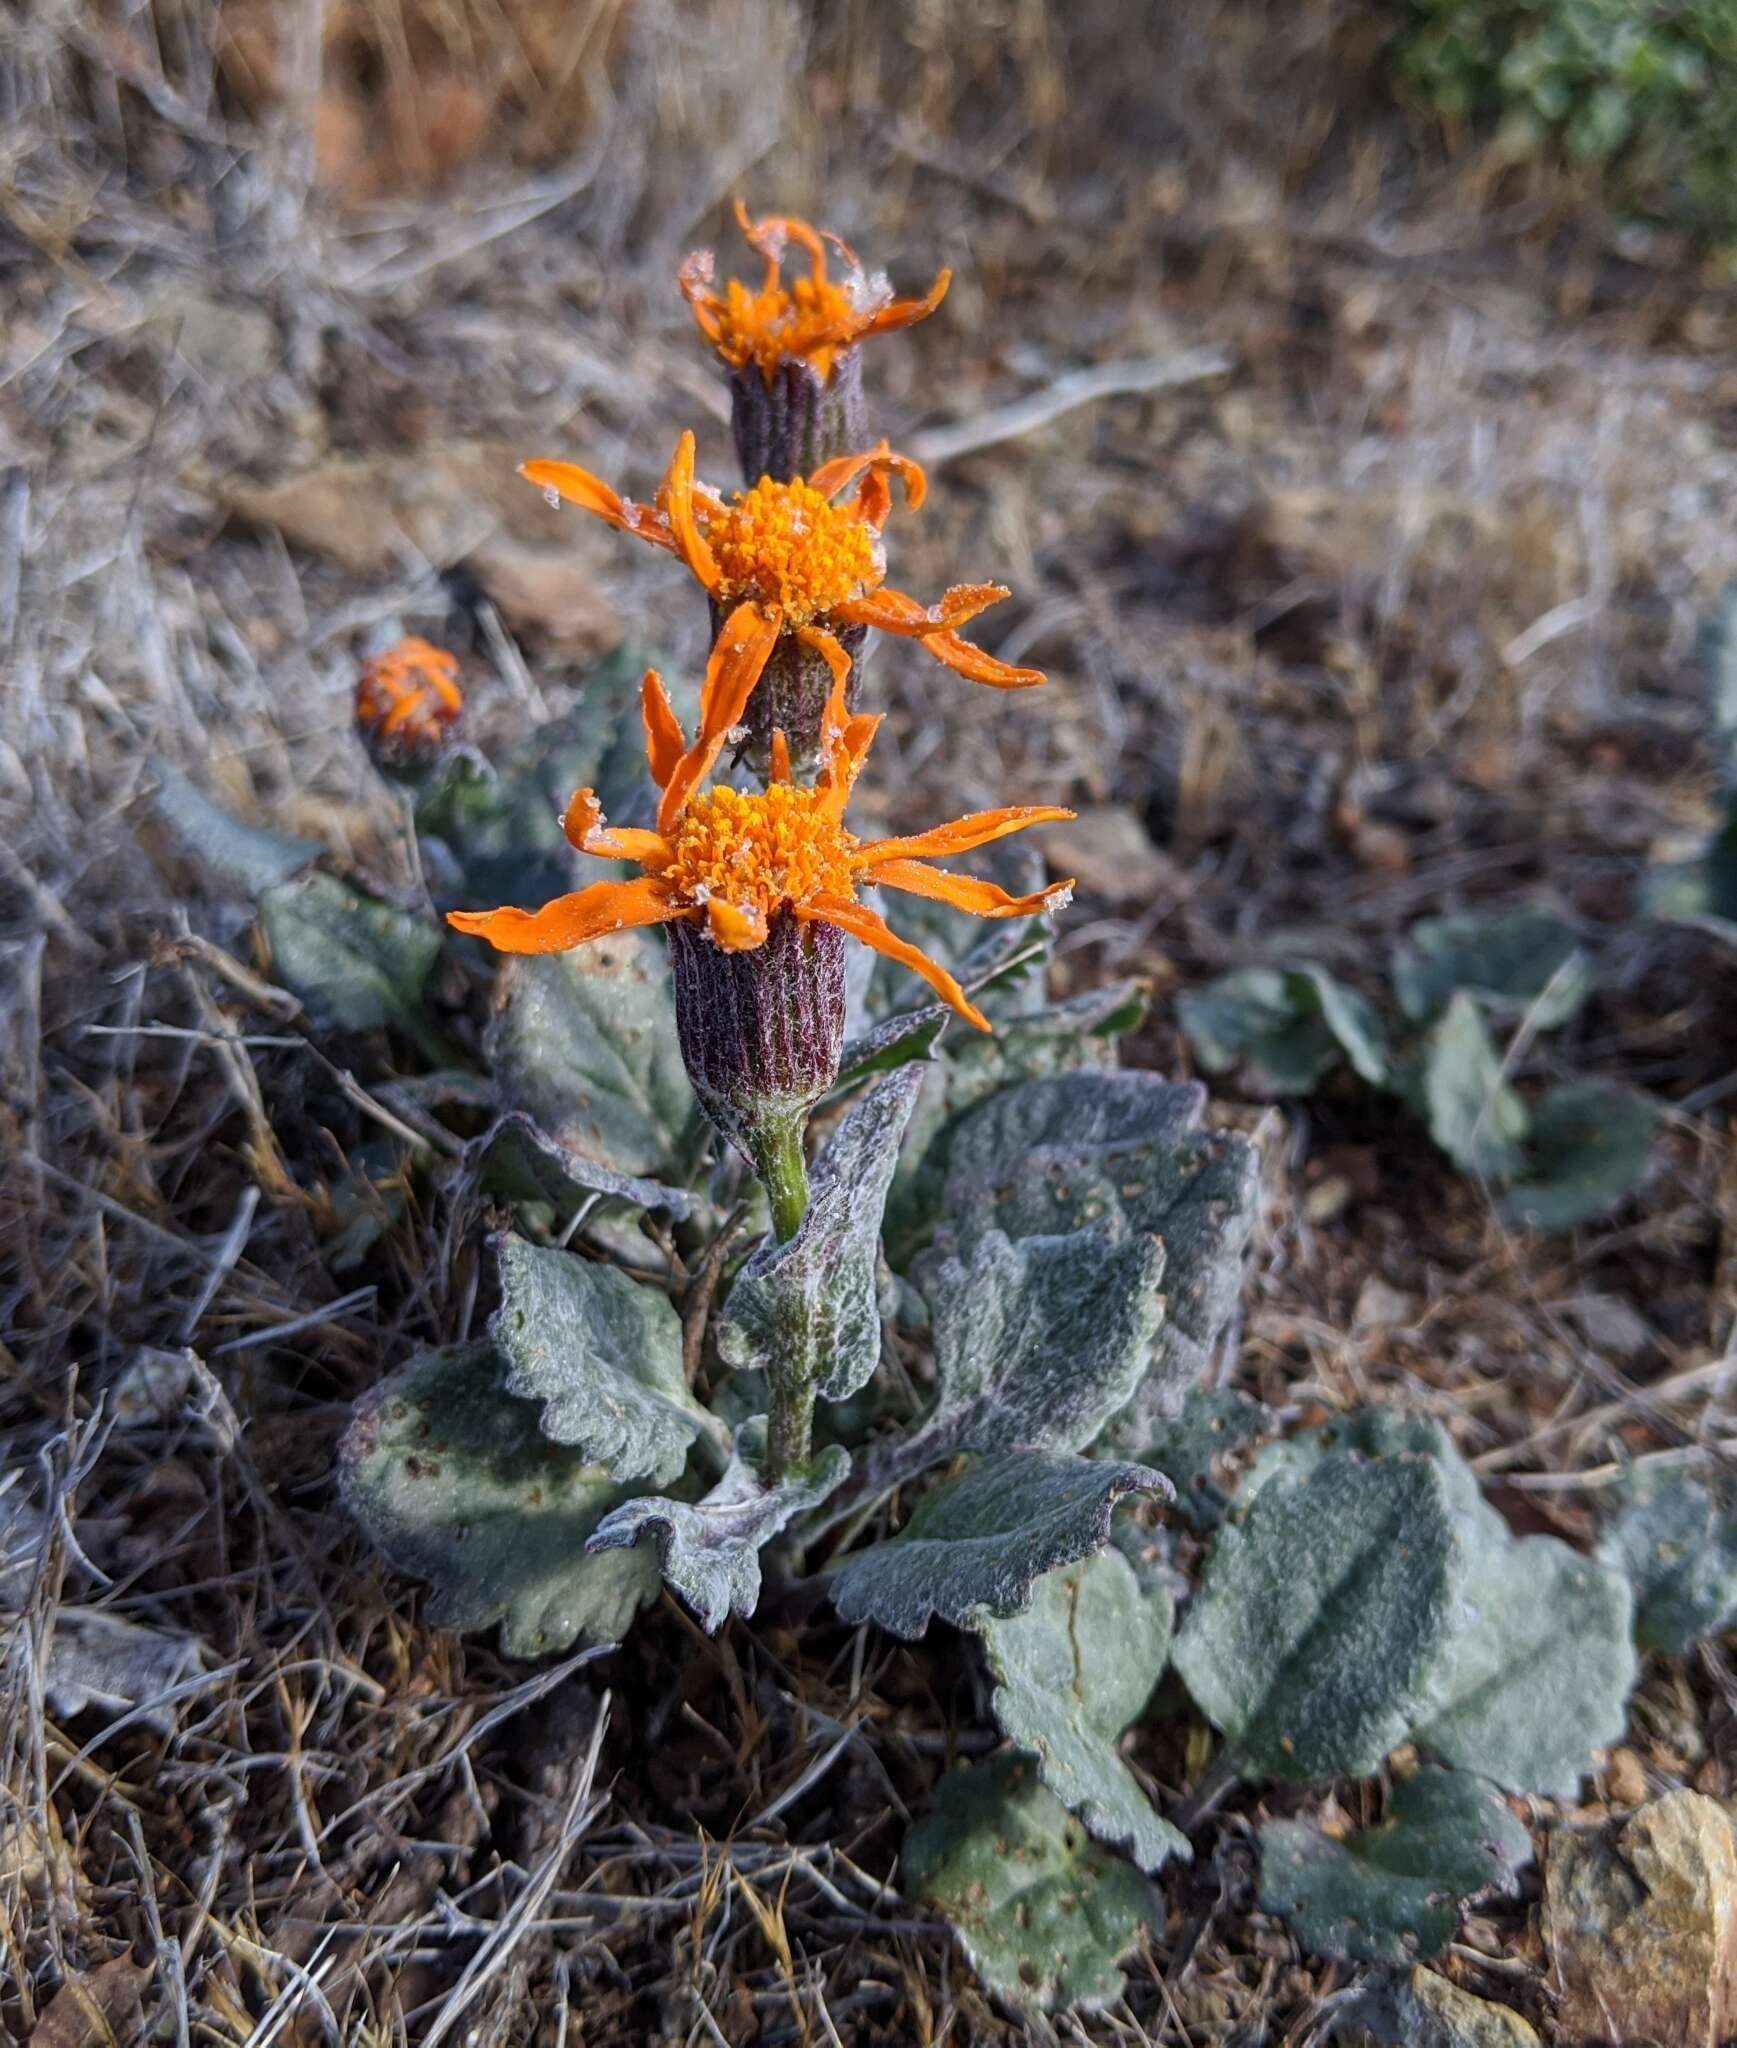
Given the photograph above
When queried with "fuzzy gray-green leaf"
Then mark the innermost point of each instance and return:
(1314, 1638)
(981, 1539)
(356, 961)
(1675, 1540)
(1392, 1893)
(1123, 1151)
(1044, 1913)
(1517, 963)
(1262, 1017)
(585, 1043)
(1472, 1113)
(520, 1163)
(248, 855)
(810, 1305)
(1587, 1151)
(709, 1549)
(1213, 1421)
(1073, 1671)
(602, 1354)
(452, 1478)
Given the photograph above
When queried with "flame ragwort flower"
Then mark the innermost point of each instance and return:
(741, 862)
(408, 698)
(814, 318)
(805, 562)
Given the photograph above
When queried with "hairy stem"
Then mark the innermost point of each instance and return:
(783, 1169)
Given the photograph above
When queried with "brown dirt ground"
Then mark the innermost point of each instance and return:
(1394, 615)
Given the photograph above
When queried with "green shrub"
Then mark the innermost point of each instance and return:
(1642, 91)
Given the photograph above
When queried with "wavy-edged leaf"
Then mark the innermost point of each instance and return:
(1586, 1152)
(1072, 1672)
(516, 1161)
(1392, 1893)
(1518, 963)
(356, 961)
(1120, 1150)
(250, 856)
(451, 1477)
(1675, 1540)
(1288, 1024)
(1044, 1913)
(1314, 1640)
(983, 1538)
(709, 1549)
(585, 1043)
(602, 1357)
(1037, 1343)
(1214, 1422)
(810, 1306)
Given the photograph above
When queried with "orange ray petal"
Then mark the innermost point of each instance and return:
(591, 494)
(676, 501)
(907, 312)
(976, 666)
(780, 756)
(665, 742)
(585, 827)
(740, 652)
(864, 924)
(891, 611)
(967, 892)
(570, 920)
(736, 929)
(694, 280)
(962, 833)
(769, 235)
(871, 463)
(831, 651)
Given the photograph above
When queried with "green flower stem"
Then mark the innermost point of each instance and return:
(783, 1169)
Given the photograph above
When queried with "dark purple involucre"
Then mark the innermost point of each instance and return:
(787, 424)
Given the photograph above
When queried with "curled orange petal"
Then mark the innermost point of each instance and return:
(570, 920)
(968, 892)
(872, 463)
(676, 501)
(976, 666)
(585, 827)
(739, 654)
(872, 929)
(779, 751)
(576, 486)
(665, 742)
(907, 312)
(962, 834)
(736, 928)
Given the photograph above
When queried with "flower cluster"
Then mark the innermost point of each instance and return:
(760, 886)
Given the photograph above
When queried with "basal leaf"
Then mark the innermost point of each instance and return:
(356, 961)
(452, 1478)
(980, 1540)
(1314, 1639)
(1037, 1343)
(1675, 1540)
(810, 1306)
(1518, 963)
(1043, 1912)
(585, 1043)
(1392, 1893)
(251, 857)
(1213, 1421)
(709, 1549)
(1472, 1113)
(1587, 1151)
(1073, 1671)
(1263, 1017)
(602, 1355)
(516, 1161)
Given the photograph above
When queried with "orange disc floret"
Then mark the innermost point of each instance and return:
(409, 696)
(811, 319)
(760, 849)
(787, 545)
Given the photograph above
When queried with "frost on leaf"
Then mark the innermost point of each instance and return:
(982, 1539)
(811, 1305)
(1124, 1151)
(1392, 1893)
(1675, 1540)
(451, 1477)
(1313, 1639)
(709, 1549)
(585, 1043)
(1044, 1913)
(601, 1355)
(1072, 1672)
(1037, 1343)
(356, 961)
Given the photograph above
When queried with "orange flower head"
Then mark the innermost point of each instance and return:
(813, 318)
(408, 698)
(806, 557)
(741, 863)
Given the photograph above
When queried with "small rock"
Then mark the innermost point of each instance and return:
(1327, 1199)
(1625, 1779)
(1422, 2010)
(1381, 1307)
(1641, 1922)
(1107, 851)
(1611, 1326)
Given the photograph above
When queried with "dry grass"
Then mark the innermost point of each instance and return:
(1393, 616)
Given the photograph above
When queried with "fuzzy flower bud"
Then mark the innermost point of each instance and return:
(408, 705)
